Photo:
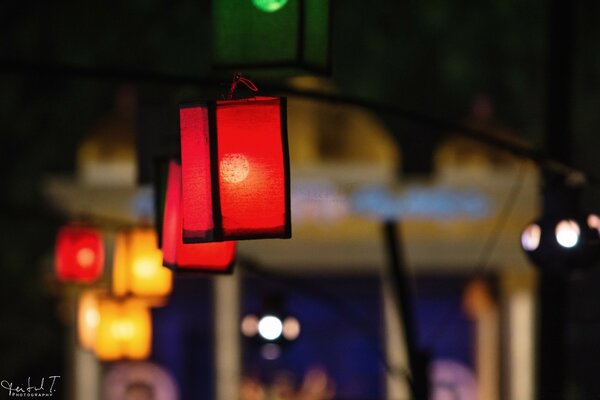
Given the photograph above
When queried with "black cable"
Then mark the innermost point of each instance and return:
(547, 163)
(492, 240)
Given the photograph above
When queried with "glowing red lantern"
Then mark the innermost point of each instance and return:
(79, 254)
(209, 257)
(235, 170)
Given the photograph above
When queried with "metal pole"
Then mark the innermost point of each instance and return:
(551, 357)
(417, 360)
(553, 285)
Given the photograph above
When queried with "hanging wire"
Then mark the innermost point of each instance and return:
(487, 250)
(496, 232)
(545, 162)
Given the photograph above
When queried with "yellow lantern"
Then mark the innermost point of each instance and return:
(88, 318)
(124, 330)
(137, 267)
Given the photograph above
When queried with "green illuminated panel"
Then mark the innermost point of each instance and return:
(271, 34)
(316, 47)
(269, 5)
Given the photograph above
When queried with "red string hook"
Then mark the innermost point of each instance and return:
(239, 78)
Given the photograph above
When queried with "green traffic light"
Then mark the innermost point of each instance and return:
(269, 5)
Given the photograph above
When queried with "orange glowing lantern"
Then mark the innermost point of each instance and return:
(79, 255)
(235, 170)
(205, 257)
(124, 330)
(137, 266)
(88, 318)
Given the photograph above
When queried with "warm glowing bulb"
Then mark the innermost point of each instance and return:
(593, 221)
(530, 238)
(85, 257)
(269, 5)
(234, 168)
(88, 318)
(249, 325)
(567, 233)
(144, 267)
(92, 317)
(122, 329)
(291, 328)
(270, 327)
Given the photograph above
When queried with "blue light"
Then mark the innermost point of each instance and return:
(420, 203)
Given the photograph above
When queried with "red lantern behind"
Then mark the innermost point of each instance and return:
(208, 257)
(235, 170)
(79, 254)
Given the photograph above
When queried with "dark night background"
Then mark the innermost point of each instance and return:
(430, 56)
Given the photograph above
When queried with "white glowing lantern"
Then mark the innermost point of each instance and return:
(530, 239)
(270, 327)
(567, 233)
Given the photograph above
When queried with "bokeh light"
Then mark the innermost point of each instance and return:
(530, 238)
(567, 233)
(291, 328)
(249, 325)
(269, 5)
(270, 327)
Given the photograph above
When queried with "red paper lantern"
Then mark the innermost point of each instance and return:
(209, 257)
(235, 170)
(79, 254)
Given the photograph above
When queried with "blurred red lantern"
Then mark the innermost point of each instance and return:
(235, 170)
(209, 257)
(79, 254)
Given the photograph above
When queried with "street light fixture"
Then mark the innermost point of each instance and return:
(564, 238)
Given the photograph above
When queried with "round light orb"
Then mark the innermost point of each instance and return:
(270, 327)
(269, 5)
(122, 329)
(88, 318)
(530, 238)
(249, 325)
(85, 257)
(567, 233)
(92, 317)
(593, 221)
(144, 268)
(234, 168)
(291, 328)
(270, 351)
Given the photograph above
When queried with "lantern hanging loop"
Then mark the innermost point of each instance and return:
(239, 78)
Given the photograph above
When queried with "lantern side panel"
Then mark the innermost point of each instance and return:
(172, 228)
(147, 275)
(79, 254)
(108, 343)
(140, 338)
(120, 267)
(317, 36)
(209, 257)
(197, 202)
(253, 181)
(212, 257)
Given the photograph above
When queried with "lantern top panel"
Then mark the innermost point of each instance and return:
(234, 102)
